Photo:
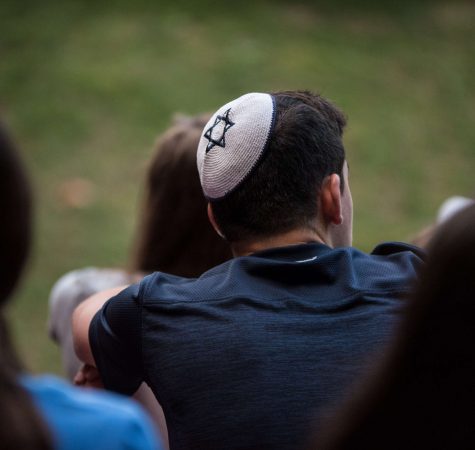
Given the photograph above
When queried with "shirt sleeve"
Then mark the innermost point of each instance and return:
(115, 340)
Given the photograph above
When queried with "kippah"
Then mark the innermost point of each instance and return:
(451, 206)
(233, 142)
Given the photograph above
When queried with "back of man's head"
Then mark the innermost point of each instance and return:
(294, 141)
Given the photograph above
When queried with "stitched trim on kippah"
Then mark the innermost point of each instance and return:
(258, 160)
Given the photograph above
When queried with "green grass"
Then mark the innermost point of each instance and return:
(86, 88)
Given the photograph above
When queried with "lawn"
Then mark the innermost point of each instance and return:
(86, 87)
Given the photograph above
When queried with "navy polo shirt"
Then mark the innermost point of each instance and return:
(250, 354)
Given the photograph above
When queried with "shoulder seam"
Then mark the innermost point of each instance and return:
(402, 290)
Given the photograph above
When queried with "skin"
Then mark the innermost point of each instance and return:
(341, 232)
(81, 320)
(333, 227)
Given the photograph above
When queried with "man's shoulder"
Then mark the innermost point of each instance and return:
(391, 266)
(275, 272)
(399, 257)
(391, 248)
(163, 286)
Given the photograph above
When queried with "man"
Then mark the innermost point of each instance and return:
(252, 352)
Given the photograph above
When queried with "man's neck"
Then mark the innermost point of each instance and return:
(294, 237)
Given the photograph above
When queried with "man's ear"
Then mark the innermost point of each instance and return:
(330, 200)
(213, 221)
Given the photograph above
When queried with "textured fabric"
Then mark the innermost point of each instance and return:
(232, 143)
(250, 354)
(82, 419)
(67, 293)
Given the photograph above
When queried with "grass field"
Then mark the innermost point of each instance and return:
(86, 88)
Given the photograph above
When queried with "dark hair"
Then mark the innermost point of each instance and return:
(22, 426)
(175, 235)
(305, 146)
(423, 392)
(15, 225)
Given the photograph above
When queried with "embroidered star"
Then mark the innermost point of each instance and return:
(216, 134)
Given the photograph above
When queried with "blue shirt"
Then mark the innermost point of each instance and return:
(83, 419)
(250, 354)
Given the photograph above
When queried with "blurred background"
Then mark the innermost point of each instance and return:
(86, 86)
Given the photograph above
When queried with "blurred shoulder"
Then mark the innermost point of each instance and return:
(88, 281)
(92, 417)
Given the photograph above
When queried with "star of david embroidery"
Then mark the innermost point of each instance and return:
(216, 134)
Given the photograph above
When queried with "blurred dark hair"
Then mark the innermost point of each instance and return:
(15, 226)
(280, 195)
(422, 395)
(22, 426)
(175, 235)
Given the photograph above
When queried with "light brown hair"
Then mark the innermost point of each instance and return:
(175, 235)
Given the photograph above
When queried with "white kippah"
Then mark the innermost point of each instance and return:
(451, 206)
(232, 143)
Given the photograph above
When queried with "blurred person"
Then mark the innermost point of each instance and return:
(422, 395)
(42, 412)
(174, 236)
(447, 209)
(451, 206)
(246, 355)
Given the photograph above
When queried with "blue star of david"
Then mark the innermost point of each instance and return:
(220, 140)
